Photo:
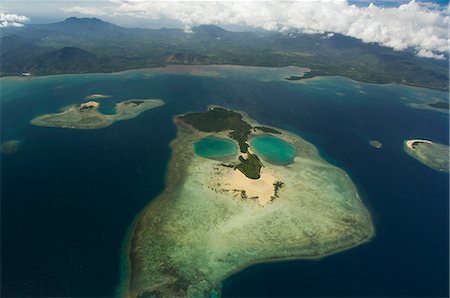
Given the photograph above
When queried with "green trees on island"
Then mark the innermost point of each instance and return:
(219, 119)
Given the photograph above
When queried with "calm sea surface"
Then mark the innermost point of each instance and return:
(69, 196)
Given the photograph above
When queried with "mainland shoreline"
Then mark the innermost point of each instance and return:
(165, 67)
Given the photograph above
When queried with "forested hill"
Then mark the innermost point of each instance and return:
(81, 45)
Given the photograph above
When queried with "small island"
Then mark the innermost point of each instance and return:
(87, 116)
(97, 96)
(440, 105)
(224, 211)
(433, 155)
(376, 144)
(307, 75)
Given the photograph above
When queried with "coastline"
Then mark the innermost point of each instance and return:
(148, 69)
(410, 143)
(193, 66)
(125, 262)
(175, 177)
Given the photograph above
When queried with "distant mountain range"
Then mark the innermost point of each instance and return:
(83, 45)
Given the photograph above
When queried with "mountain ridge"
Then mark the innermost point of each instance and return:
(116, 48)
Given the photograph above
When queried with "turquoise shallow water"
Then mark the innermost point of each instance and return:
(215, 148)
(273, 149)
(69, 196)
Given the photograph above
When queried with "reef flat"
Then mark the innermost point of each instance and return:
(433, 155)
(212, 220)
(376, 144)
(87, 116)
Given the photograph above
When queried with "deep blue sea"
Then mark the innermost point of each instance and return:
(69, 196)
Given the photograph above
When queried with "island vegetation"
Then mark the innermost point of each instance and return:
(250, 166)
(219, 119)
(308, 75)
(277, 186)
(440, 105)
(267, 129)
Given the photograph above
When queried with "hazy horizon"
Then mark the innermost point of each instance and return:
(400, 25)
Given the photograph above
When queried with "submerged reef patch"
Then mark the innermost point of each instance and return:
(10, 146)
(376, 144)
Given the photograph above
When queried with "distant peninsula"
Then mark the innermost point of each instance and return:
(87, 116)
(218, 215)
(433, 155)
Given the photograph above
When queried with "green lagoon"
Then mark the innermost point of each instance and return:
(215, 148)
(273, 149)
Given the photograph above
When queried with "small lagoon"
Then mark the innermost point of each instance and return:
(273, 149)
(107, 107)
(215, 148)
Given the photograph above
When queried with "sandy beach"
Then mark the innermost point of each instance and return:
(410, 143)
(261, 190)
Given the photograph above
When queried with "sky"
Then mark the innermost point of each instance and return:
(422, 26)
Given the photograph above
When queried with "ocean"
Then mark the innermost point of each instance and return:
(69, 196)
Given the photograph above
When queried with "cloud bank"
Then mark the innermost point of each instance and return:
(86, 10)
(12, 20)
(422, 26)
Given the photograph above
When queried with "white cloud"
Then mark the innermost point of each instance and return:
(422, 26)
(429, 54)
(12, 20)
(85, 10)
